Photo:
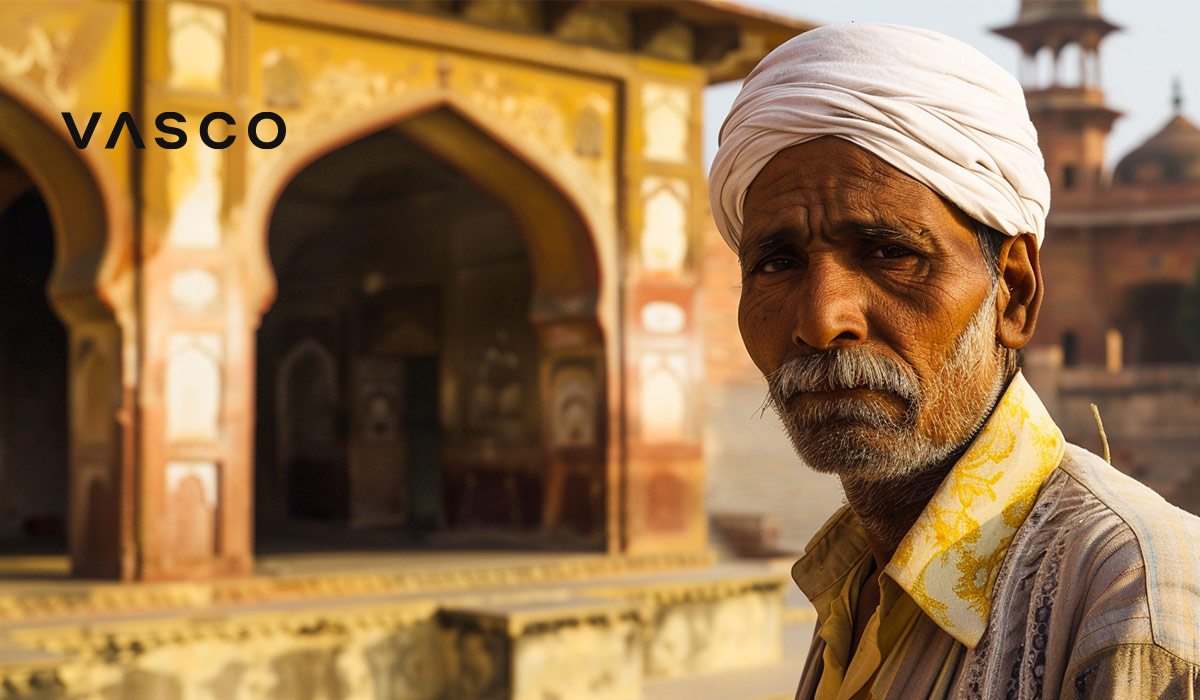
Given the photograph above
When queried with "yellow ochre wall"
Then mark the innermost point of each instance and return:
(178, 275)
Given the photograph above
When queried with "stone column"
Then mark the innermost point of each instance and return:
(101, 420)
(196, 399)
(664, 488)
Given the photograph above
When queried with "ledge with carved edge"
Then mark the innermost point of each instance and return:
(117, 638)
(707, 585)
(27, 672)
(100, 657)
(578, 648)
(729, 617)
(517, 627)
(78, 599)
(519, 618)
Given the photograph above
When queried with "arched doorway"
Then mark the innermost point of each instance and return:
(431, 371)
(33, 374)
(67, 241)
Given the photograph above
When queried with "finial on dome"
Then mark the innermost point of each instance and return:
(1177, 95)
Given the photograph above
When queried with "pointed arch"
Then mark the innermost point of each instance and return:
(543, 201)
(91, 287)
(559, 234)
(91, 217)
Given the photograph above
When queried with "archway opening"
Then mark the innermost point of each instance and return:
(1150, 327)
(403, 369)
(33, 374)
(66, 219)
(1070, 349)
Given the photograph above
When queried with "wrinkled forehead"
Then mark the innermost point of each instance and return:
(836, 174)
(833, 191)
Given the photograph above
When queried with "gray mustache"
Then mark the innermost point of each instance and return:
(840, 370)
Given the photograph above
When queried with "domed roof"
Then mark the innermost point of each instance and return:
(1171, 155)
(1041, 10)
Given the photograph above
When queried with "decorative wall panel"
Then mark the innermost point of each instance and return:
(196, 47)
(193, 388)
(665, 116)
(664, 239)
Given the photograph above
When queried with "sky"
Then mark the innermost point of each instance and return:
(1160, 40)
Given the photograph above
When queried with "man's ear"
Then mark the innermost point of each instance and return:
(1020, 295)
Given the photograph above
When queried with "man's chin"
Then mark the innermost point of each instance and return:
(862, 451)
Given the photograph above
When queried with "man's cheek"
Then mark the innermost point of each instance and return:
(765, 333)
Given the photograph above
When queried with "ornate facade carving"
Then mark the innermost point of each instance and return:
(195, 292)
(664, 240)
(598, 25)
(195, 195)
(44, 59)
(193, 387)
(196, 47)
(552, 114)
(663, 317)
(664, 403)
(574, 415)
(666, 118)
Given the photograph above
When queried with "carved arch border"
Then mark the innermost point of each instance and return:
(449, 127)
(77, 184)
(92, 288)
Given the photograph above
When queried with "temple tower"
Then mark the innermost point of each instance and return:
(1060, 70)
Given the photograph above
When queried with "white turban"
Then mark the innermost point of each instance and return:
(932, 106)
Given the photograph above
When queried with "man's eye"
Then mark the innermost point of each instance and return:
(776, 264)
(891, 250)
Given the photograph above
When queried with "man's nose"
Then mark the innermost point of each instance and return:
(829, 309)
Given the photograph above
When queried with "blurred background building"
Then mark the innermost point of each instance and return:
(1120, 326)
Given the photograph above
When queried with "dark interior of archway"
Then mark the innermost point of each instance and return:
(397, 387)
(33, 383)
(1150, 327)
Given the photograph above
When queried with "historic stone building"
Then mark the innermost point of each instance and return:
(1121, 248)
(458, 305)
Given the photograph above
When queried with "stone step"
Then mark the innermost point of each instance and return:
(577, 649)
(28, 594)
(777, 681)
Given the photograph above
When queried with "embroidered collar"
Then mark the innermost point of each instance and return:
(949, 560)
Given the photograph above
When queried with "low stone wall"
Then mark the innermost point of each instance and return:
(1151, 418)
(582, 640)
(752, 467)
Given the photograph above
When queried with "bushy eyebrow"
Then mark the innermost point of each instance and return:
(768, 242)
(873, 231)
(891, 234)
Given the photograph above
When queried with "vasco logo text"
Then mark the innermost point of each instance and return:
(125, 122)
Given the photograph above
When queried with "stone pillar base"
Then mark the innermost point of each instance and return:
(530, 650)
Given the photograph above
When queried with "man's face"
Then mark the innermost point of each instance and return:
(867, 304)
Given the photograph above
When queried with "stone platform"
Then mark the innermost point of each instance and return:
(422, 626)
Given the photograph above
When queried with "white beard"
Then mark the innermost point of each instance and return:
(863, 440)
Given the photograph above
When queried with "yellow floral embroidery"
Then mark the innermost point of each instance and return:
(949, 560)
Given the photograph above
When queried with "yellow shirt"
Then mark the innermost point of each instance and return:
(946, 565)
(847, 676)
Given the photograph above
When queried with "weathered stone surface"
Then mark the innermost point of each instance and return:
(576, 640)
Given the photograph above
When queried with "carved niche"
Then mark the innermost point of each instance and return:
(573, 417)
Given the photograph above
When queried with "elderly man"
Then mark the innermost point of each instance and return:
(883, 189)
